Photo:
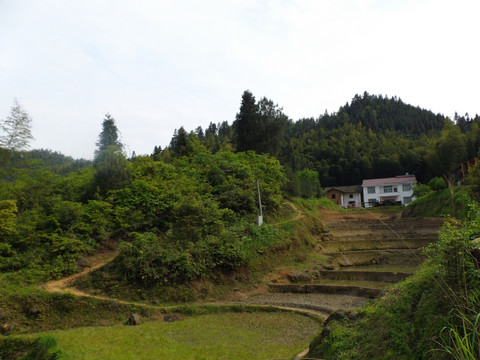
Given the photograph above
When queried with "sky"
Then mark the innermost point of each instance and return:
(157, 65)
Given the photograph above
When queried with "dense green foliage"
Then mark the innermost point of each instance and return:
(370, 137)
(191, 213)
(382, 114)
(187, 218)
(188, 205)
(413, 319)
(259, 126)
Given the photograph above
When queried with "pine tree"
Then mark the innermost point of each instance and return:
(109, 135)
(259, 126)
(111, 166)
(16, 129)
(245, 124)
(179, 141)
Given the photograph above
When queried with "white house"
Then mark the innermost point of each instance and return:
(398, 189)
(345, 196)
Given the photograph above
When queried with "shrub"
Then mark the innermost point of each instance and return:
(45, 349)
(307, 184)
(150, 261)
(420, 190)
(437, 184)
(8, 217)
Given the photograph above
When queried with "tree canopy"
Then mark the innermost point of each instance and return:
(259, 126)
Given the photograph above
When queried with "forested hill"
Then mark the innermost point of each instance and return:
(370, 137)
(381, 114)
(373, 136)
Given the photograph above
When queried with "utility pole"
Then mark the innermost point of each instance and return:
(259, 218)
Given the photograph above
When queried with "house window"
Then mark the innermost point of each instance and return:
(395, 189)
(407, 200)
(388, 189)
(371, 190)
(407, 187)
(333, 196)
(351, 196)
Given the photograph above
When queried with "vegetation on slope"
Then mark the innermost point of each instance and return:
(370, 137)
(183, 218)
(439, 204)
(415, 319)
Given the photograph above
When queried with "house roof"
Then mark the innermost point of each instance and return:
(402, 179)
(346, 189)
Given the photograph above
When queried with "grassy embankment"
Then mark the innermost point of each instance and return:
(439, 204)
(418, 318)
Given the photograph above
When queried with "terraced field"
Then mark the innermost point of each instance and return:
(358, 255)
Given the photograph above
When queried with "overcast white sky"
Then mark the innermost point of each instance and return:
(158, 65)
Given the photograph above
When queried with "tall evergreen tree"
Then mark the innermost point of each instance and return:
(109, 135)
(259, 126)
(111, 166)
(245, 124)
(272, 123)
(16, 131)
(179, 141)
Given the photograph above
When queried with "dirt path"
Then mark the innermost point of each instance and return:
(63, 285)
(100, 259)
(299, 213)
(259, 297)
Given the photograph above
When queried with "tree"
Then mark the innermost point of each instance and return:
(109, 135)
(447, 154)
(259, 126)
(112, 170)
(199, 132)
(16, 129)
(272, 125)
(307, 184)
(8, 217)
(111, 166)
(474, 180)
(179, 141)
(245, 124)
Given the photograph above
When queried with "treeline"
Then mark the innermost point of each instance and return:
(370, 137)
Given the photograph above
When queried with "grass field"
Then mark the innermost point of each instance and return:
(220, 336)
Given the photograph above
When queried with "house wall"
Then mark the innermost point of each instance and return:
(335, 196)
(404, 196)
(347, 198)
